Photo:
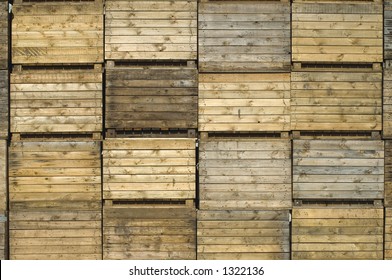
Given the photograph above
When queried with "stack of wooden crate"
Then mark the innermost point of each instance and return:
(149, 151)
(244, 119)
(338, 157)
(4, 113)
(56, 125)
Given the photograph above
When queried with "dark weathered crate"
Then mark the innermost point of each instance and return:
(243, 235)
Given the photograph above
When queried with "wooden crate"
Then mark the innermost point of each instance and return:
(3, 176)
(243, 235)
(151, 97)
(387, 29)
(388, 174)
(57, 32)
(244, 36)
(343, 101)
(244, 102)
(388, 234)
(137, 231)
(55, 101)
(3, 237)
(4, 34)
(156, 29)
(245, 174)
(337, 32)
(55, 200)
(337, 233)
(387, 102)
(150, 168)
(338, 169)
(4, 110)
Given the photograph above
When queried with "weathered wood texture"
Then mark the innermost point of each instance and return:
(324, 31)
(3, 176)
(55, 200)
(3, 237)
(47, 101)
(388, 174)
(152, 29)
(243, 235)
(152, 168)
(244, 36)
(4, 109)
(151, 97)
(338, 169)
(57, 32)
(134, 232)
(337, 233)
(387, 29)
(244, 102)
(336, 101)
(245, 174)
(4, 35)
(388, 234)
(387, 103)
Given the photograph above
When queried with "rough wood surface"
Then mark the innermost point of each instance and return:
(4, 110)
(387, 103)
(151, 97)
(3, 176)
(245, 174)
(57, 32)
(337, 32)
(3, 237)
(337, 233)
(143, 232)
(153, 168)
(336, 101)
(244, 36)
(243, 235)
(338, 169)
(47, 101)
(387, 29)
(388, 174)
(244, 102)
(55, 200)
(153, 29)
(4, 35)
(388, 234)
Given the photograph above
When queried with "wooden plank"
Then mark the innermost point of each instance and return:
(4, 40)
(50, 101)
(244, 102)
(3, 176)
(149, 232)
(243, 234)
(387, 108)
(338, 169)
(388, 234)
(320, 101)
(4, 110)
(156, 30)
(57, 32)
(3, 237)
(335, 232)
(322, 32)
(244, 174)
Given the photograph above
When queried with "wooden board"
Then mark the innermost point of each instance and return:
(153, 29)
(149, 232)
(245, 174)
(387, 29)
(4, 26)
(387, 103)
(343, 32)
(151, 97)
(3, 237)
(57, 32)
(55, 200)
(243, 235)
(50, 101)
(338, 169)
(388, 174)
(336, 101)
(388, 234)
(4, 109)
(3, 176)
(244, 102)
(153, 168)
(337, 233)
(244, 36)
